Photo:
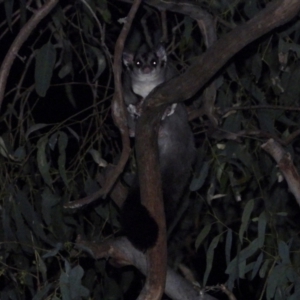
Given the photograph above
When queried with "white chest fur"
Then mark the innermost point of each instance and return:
(146, 85)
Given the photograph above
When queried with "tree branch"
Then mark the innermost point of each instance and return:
(285, 165)
(18, 42)
(151, 196)
(123, 253)
(182, 87)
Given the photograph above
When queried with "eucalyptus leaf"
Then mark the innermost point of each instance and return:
(76, 289)
(101, 62)
(232, 72)
(104, 11)
(292, 90)
(54, 251)
(262, 223)
(73, 133)
(9, 234)
(266, 120)
(34, 128)
(70, 283)
(64, 284)
(41, 267)
(242, 269)
(20, 153)
(243, 255)
(52, 142)
(43, 164)
(58, 17)
(257, 265)
(65, 70)
(48, 201)
(295, 296)
(202, 235)
(233, 123)
(245, 218)
(254, 90)
(282, 214)
(45, 60)
(210, 256)
(43, 292)
(3, 149)
(257, 66)
(70, 96)
(276, 278)
(31, 217)
(23, 232)
(198, 181)
(284, 252)
(62, 145)
(228, 246)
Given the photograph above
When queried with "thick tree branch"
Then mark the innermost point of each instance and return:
(151, 195)
(18, 42)
(186, 85)
(123, 253)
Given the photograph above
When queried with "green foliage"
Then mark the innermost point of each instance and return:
(44, 65)
(239, 222)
